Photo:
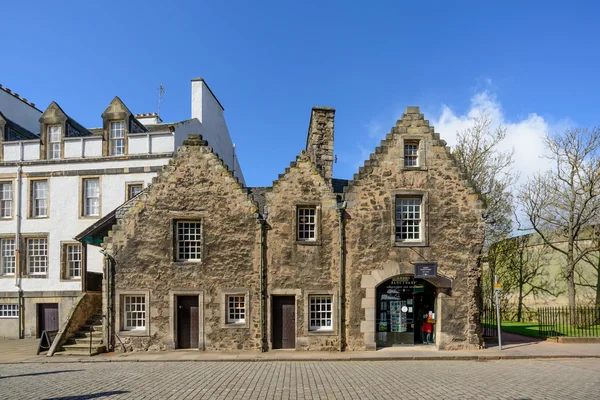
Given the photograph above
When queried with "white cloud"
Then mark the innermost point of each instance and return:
(525, 135)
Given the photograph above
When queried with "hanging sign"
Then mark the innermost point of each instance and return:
(426, 270)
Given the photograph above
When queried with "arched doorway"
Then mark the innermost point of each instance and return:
(403, 304)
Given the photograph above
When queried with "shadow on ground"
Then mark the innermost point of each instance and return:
(42, 373)
(90, 396)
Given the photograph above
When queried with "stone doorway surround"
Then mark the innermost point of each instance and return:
(370, 281)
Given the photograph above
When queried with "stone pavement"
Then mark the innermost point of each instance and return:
(515, 347)
(506, 379)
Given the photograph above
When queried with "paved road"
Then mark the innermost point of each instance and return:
(504, 379)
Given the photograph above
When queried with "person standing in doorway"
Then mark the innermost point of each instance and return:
(426, 331)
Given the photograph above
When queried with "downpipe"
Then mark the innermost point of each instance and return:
(20, 333)
(342, 289)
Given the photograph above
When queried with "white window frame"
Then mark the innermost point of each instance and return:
(117, 138)
(409, 219)
(37, 256)
(236, 308)
(91, 200)
(53, 142)
(39, 198)
(9, 310)
(73, 260)
(137, 316)
(7, 256)
(6, 199)
(184, 237)
(320, 308)
(411, 153)
(306, 223)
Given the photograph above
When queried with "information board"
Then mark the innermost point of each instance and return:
(426, 270)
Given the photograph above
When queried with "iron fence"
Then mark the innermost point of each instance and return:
(489, 325)
(569, 321)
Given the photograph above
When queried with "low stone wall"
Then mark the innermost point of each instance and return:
(85, 306)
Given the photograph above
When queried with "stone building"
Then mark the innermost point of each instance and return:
(310, 263)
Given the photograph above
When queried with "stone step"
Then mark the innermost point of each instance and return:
(86, 334)
(96, 340)
(86, 328)
(82, 349)
(94, 321)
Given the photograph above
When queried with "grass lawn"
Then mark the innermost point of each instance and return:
(532, 329)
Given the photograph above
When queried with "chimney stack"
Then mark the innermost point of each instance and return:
(319, 143)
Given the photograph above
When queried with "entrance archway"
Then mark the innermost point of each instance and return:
(403, 305)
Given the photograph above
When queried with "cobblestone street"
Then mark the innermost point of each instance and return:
(505, 379)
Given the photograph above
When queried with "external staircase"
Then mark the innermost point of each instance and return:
(78, 344)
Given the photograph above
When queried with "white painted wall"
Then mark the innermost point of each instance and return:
(21, 113)
(64, 221)
(207, 110)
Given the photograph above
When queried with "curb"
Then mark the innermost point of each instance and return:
(371, 359)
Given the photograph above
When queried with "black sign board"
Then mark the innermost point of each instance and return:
(46, 340)
(426, 270)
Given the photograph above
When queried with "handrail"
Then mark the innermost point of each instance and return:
(109, 324)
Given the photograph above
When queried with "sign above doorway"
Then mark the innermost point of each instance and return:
(425, 270)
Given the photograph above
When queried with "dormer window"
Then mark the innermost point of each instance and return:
(54, 136)
(117, 138)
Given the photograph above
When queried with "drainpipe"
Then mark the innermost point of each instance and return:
(261, 292)
(108, 264)
(18, 241)
(341, 210)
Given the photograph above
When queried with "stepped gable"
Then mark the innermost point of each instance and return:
(139, 201)
(302, 157)
(414, 123)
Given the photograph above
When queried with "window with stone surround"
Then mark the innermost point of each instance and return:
(411, 153)
(133, 189)
(134, 312)
(6, 199)
(408, 219)
(91, 197)
(37, 256)
(236, 309)
(321, 312)
(9, 311)
(117, 138)
(54, 133)
(306, 223)
(39, 198)
(188, 238)
(7, 256)
(72, 259)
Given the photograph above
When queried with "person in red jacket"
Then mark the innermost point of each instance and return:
(426, 331)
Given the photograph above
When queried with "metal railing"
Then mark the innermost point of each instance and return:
(109, 325)
(488, 321)
(569, 321)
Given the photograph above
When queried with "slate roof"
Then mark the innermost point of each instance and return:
(14, 131)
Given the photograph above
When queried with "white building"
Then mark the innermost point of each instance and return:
(57, 178)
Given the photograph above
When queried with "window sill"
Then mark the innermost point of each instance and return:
(237, 325)
(39, 217)
(404, 168)
(322, 333)
(409, 244)
(309, 242)
(136, 333)
(7, 276)
(35, 276)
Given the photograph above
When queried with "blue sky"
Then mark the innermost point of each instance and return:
(535, 64)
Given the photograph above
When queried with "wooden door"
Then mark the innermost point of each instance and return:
(187, 322)
(47, 317)
(284, 322)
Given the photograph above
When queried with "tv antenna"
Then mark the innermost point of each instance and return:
(161, 93)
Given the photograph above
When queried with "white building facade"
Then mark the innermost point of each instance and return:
(57, 178)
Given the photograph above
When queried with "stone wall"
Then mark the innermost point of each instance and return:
(298, 267)
(453, 233)
(195, 186)
(319, 143)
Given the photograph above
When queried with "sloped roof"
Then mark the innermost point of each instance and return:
(14, 131)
